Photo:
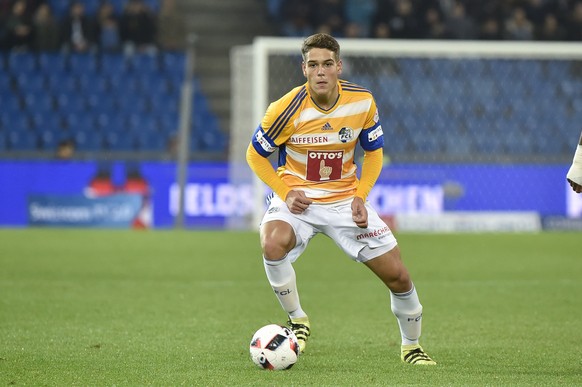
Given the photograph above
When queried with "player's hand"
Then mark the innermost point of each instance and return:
(359, 212)
(297, 202)
(576, 187)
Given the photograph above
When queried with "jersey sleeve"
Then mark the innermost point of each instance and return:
(277, 125)
(372, 136)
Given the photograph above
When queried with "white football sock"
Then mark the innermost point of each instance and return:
(408, 311)
(575, 172)
(281, 276)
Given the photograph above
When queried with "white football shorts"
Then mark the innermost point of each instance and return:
(335, 221)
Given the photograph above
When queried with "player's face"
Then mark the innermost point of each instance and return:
(321, 70)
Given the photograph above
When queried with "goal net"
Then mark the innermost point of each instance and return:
(487, 127)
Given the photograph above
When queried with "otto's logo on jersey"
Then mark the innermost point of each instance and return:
(324, 165)
(375, 134)
(346, 134)
(263, 142)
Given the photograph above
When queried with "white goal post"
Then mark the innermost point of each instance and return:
(422, 87)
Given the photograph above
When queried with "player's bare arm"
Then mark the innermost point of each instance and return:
(297, 202)
(359, 212)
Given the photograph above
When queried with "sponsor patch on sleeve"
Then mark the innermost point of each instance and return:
(373, 135)
(263, 141)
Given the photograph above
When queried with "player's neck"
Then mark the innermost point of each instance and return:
(326, 102)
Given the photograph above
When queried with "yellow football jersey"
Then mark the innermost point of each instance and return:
(316, 146)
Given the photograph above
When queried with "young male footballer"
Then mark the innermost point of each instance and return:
(316, 128)
(574, 175)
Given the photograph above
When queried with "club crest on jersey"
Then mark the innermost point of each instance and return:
(346, 134)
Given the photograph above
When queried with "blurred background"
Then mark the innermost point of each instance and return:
(481, 112)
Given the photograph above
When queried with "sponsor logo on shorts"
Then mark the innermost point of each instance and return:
(379, 233)
(272, 210)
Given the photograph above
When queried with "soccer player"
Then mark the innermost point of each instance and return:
(316, 127)
(574, 175)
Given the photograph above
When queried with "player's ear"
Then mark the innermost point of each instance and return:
(303, 68)
(340, 66)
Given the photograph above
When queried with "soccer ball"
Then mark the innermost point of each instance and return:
(274, 347)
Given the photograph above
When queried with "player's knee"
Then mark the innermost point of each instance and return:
(277, 239)
(274, 250)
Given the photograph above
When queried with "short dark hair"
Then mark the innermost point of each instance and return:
(321, 40)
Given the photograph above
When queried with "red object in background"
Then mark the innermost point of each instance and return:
(101, 185)
(135, 185)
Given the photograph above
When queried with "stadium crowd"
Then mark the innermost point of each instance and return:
(541, 20)
(109, 26)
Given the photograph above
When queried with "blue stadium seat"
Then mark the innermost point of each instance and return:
(120, 141)
(100, 103)
(151, 141)
(142, 123)
(92, 83)
(22, 62)
(112, 64)
(168, 122)
(38, 102)
(34, 82)
(69, 103)
(89, 141)
(3, 141)
(62, 82)
(20, 139)
(83, 63)
(51, 62)
(145, 64)
(46, 121)
(79, 122)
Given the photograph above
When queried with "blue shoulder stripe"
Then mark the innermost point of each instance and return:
(283, 118)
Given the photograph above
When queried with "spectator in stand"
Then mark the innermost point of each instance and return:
(18, 28)
(490, 30)
(65, 150)
(402, 21)
(46, 36)
(171, 28)
(361, 13)
(550, 30)
(329, 16)
(435, 27)
(353, 30)
(381, 31)
(109, 38)
(78, 30)
(459, 25)
(296, 19)
(138, 28)
(518, 27)
(574, 23)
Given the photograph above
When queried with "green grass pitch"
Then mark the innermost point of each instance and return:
(106, 307)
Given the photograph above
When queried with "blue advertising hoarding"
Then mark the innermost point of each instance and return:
(211, 198)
